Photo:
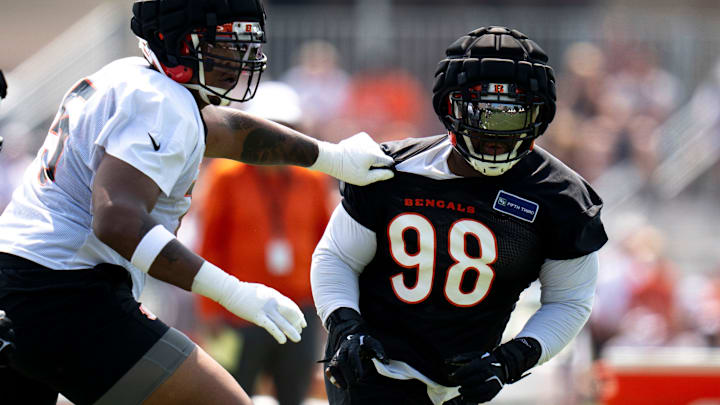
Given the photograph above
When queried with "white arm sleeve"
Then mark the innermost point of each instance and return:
(341, 255)
(567, 290)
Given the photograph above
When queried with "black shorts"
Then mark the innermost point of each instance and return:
(77, 332)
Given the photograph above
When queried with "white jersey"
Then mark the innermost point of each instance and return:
(126, 110)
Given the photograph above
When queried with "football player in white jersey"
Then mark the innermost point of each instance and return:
(99, 206)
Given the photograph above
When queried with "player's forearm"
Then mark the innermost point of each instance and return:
(233, 134)
(177, 265)
(123, 231)
(334, 284)
(161, 255)
(568, 288)
(554, 326)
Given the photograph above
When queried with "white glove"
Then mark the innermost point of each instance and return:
(257, 303)
(356, 160)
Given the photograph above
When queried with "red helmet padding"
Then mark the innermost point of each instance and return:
(179, 73)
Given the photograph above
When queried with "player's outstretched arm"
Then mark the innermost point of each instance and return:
(122, 199)
(234, 134)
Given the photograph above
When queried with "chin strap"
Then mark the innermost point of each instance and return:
(205, 94)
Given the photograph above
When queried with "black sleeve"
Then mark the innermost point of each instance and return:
(575, 227)
(358, 202)
(577, 236)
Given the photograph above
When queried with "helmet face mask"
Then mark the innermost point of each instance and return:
(232, 59)
(496, 125)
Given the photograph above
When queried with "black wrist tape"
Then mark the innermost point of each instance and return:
(519, 355)
(343, 322)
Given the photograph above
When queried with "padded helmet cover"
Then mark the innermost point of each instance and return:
(500, 55)
(164, 24)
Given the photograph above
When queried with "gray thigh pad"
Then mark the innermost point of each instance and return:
(159, 363)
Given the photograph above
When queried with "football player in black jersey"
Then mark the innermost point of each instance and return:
(416, 278)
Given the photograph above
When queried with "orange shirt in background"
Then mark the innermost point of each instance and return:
(246, 207)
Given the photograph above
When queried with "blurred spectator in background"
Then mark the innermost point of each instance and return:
(637, 300)
(263, 222)
(709, 314)
(646, 87)
(584, 77)
(650, 316)
(388, 103)
(611, 108)
(699, 296)
(320, 83)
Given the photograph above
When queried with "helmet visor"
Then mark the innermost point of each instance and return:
(495, 116)
(495, 131)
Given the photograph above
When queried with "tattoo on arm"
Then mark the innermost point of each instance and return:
(237, 135)
(265, 146)
(172, 252)
(177, 265)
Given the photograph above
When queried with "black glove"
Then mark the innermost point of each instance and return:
(353, 347)
(7, 337)
(481, 376)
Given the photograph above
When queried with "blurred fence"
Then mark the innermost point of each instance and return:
(373, 34)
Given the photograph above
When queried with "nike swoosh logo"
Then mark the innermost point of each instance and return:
(156, 145)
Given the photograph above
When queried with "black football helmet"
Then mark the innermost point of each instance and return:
(495, 94)
(184, 39)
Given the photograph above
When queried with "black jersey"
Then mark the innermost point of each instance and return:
(454, 255)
